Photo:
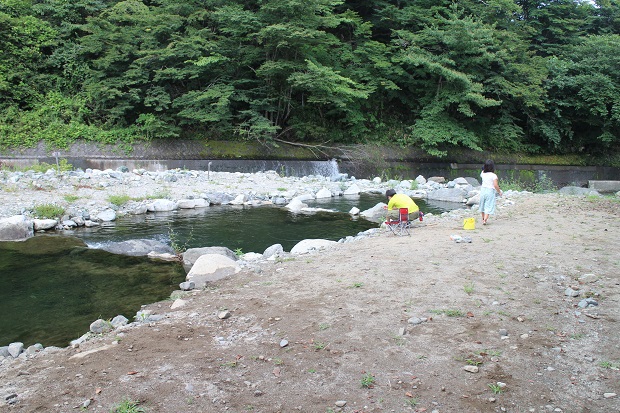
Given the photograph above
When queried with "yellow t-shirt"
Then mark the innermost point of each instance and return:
(402, 201)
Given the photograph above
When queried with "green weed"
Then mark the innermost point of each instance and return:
(175, 240)
(610, 365)
(128, 406)
(71, 198)
(495, 388)
(119, 200)
(368, 381)
(448, 312)
(319, 345)
(412, 402)
(48, 211)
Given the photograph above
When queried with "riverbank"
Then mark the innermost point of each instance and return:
(385, 323)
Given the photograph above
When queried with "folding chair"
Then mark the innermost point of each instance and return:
(401, 225)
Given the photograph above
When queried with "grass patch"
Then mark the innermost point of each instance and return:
(119, 200)
(448, 312)
(412, 402)
(610, 365)
(162, 194)
(469, 288)
(128, 406)
(71, 198)
(48, 211)
(495, 388)
(319, 345)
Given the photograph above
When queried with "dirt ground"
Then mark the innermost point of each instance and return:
(497, 305)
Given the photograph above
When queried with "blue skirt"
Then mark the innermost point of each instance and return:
(487, 200)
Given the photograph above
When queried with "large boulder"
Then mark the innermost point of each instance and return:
(106, 215)
(138, 247)
(192, 254)
(16, 228)
(376, 213)
(323, 193)
(162, 205)
(448, 195)
(296, 205)
(352, 190)
(309, 245)
(211, 267)
(44, 224)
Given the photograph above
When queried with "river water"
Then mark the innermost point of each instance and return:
(53, 287)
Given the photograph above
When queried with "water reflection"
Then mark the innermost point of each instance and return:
(52, 288)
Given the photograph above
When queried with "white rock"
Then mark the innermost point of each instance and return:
(352, 190)
(106, 215)
(211, 267)
(162, 205)
(307, 245)
(43, 224)
(296, 205)
(186, 204)
(323, 193)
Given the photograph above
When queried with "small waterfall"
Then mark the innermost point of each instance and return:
(327, 168)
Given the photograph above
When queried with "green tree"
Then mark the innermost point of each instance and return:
(584, 97)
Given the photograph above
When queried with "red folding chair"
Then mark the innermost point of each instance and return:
(401, 225)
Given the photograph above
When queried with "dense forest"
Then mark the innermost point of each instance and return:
(523, 76)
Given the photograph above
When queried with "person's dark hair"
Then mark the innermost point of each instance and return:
(390, 192)
(489, 166)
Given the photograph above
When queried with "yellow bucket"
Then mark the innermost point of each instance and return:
(469, 223)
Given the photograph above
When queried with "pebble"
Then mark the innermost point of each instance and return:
(222, 315)
(341, 403)
(471, 369)
(283, 343)
(609, 395)
(571, 293)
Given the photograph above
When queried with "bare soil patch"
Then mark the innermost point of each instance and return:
(343, 313)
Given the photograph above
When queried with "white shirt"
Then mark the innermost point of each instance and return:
(488, 179)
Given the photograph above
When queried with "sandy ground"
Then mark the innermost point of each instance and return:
(497, 305)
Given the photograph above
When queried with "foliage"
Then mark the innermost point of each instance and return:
(48, 211)
(534, 77)
(527, 181)
(119, 200)
(368, 381)
(128, 406)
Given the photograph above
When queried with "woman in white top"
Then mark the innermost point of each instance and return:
(489, 190)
